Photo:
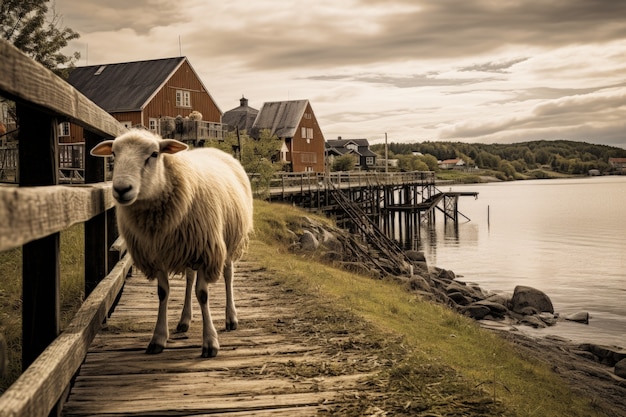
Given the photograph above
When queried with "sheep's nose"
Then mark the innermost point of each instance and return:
(121, 192)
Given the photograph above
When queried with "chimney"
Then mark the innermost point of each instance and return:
(243, 101)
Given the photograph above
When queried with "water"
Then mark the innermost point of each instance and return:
(565, 237)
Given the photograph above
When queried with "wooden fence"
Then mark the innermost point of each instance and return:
(32, 215)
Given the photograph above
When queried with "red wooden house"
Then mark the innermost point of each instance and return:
(295, 124)
(146, 93)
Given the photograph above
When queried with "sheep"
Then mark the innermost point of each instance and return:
(180, 212)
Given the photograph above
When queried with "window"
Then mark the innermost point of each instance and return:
(309, 133)
(64, 129)
(153, 125)
(303, 132)
(127, 124)
(183, 98)
(369, 160)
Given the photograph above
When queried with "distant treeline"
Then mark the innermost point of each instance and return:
(563, 156)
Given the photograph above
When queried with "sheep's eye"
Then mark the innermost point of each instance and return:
(153, 155)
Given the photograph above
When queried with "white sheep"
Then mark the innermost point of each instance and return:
(181, 211)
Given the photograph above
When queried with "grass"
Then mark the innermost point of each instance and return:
(437, 338)
(72, 294)
(448, 363)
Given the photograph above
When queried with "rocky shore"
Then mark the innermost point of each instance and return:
(590, 368)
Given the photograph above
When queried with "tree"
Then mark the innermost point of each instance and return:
(260, 158)
(345, 162)
(38, 32)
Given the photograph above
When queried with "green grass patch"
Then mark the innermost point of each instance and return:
(438, 337)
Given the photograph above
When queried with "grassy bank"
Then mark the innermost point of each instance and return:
(442, 363)
(72, 290)
(436, 338)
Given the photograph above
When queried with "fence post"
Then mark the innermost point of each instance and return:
(96, 248)
(38, 166)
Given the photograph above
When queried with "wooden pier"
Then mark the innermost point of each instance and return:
(398, 203)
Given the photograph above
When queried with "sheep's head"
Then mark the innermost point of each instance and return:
(138, 171)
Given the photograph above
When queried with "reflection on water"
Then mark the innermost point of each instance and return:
(564, 237)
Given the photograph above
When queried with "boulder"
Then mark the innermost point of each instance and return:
(308, 241)
(415, 256)
(418, 283)
(620, 368)
(524, 297)
(607, 355)
(582, 317)
(456, 286)
(475, 311)
(497, 309)
(460, 299)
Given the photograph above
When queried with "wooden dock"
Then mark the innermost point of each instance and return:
(276, 363)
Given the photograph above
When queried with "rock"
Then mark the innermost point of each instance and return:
(533, 321)
(547, 318)
(607, 355)
(308, 242)
(620, 368)
(475, 311)
(456, 286)
(524, 297)
(415, 256)
(582, 317)
(417, 283)
(460, 299)
(331, 242)
(497, 309)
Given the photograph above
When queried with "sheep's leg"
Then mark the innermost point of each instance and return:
(231, 311)
(161, 332)
(210, 344)
(186, 315)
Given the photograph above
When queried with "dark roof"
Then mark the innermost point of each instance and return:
(126, 86)
(242, 117)
(339, 146)
(281, 117)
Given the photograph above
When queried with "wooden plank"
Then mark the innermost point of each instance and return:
(29, 213)
(266, 367)
(24, 80)
(38, 389)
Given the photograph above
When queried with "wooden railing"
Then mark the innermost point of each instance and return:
(32, 215)
(286, 183)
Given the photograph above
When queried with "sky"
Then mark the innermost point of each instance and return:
(491, 71)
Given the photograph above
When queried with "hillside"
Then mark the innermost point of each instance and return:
(535, 159)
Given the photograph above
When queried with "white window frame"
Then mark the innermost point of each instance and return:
(154, 125)
(183, 98)
(369, 160)
(64, 129)
(309, 133)
(127, 124)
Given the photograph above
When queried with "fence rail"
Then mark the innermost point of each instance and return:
(32, 215)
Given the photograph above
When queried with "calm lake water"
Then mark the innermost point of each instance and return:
(564, 237)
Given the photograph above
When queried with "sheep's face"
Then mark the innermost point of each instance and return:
(138, 170)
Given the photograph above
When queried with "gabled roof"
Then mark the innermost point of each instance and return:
(126, 86)
(242, 117)
(281, 117)
(339, 146)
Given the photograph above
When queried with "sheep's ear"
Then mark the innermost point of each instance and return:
(104, 148)
(172, 146)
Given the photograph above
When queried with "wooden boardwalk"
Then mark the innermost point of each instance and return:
(274, 364)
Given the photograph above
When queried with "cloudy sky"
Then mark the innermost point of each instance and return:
(459, 70)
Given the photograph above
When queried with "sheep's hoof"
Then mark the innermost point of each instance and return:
(182, 328)
(231, 325)
(208, 352)
(153, 349)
